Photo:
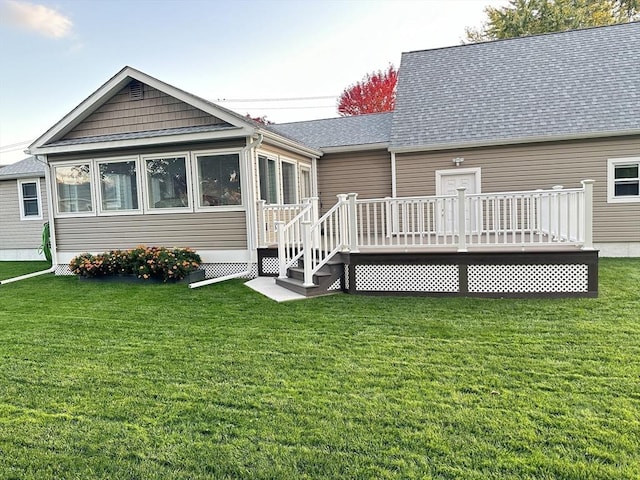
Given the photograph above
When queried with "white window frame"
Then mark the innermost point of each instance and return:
(274, 159)
(304, 168)
(92, 189)
(188, 173)
(23, 215)
(98, 183)
(611, 164)
(197, 193)
(296, 188)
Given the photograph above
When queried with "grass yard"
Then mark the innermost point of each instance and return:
(15, 269)
(162, 382)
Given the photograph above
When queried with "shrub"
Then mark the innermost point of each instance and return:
(145, 262)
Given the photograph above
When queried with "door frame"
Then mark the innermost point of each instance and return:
(458, 171)
(475, 219)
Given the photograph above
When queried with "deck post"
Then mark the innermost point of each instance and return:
(315, 215)
(353, 223)
(343, 224)
(462, 221)
(306, 248)
(588, 214)
(282, 261)
(262, 225)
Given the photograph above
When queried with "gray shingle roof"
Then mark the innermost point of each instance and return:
(339, 132)
(29, 167)
(572, 84)
(145, 134)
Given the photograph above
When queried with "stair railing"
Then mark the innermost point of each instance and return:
(289, 238)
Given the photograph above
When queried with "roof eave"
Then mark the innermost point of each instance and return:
(285, 142)
(510, 141)
(20, 176)
(356, 148)
(138, 142)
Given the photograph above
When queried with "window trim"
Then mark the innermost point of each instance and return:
(147, 209)
(296, 192)
(274, 159)
(23, 215)
(92, 189)
(197, 192)
(611, 164)
(304, 168)
(98, 189)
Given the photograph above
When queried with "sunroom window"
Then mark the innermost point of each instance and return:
(167, 185)
(218, 180)
(118, 185)
(268, 179)
(73, 184)
(288, 182)
(624, 180)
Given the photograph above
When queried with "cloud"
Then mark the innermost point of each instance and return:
(37, 18)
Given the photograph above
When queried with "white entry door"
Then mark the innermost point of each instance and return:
(447, 183)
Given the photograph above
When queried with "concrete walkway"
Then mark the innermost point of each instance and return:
(267, 287)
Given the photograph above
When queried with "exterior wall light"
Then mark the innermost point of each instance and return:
(457, 161)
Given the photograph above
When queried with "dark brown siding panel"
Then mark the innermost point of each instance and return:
(202, 231)
(366, 173)
(533, 166)
(155, 111)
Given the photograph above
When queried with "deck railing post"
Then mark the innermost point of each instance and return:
(315, 215)
(389, 216)
(462, 221)
(282, 261)
(588, 214)
(353, 223)
(306, 248)
(342, 221)
(262, 225)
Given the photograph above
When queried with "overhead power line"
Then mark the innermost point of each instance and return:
(283, 99)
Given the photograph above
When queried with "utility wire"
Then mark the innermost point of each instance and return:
(283, 99)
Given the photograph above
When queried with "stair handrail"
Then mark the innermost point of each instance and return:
(333, 233)
(290, 241)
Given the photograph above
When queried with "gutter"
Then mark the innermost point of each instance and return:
(247, 272)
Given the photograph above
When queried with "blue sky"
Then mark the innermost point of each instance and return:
(56, 53)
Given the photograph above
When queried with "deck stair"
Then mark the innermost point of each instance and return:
(323, 280)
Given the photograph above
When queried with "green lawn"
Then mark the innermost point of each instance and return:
(15, 269)
(163, 382)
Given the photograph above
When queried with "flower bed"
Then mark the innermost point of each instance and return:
(144, 262)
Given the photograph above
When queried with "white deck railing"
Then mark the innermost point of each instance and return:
(271, 214)
(489, 220)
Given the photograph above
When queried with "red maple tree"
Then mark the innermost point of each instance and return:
(376, 92)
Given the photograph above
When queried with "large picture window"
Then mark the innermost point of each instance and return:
(118, 185)
(624, 180)
(167, 183)
(30, 204)
(218, 178)
(73, 186)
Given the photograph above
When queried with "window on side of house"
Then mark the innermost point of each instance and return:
(73, 188)
(167, 183)
(118, 185)
(218, 177)
(267, 168)
(289, 193)
(30, 202)
(624, 180)
(305, 182)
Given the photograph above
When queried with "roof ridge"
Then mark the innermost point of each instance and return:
(524, 37)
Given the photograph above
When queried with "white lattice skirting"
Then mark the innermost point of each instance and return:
(407, 278)
(527, 278)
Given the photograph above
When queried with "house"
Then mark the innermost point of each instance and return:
(454, 188)
(23, 210)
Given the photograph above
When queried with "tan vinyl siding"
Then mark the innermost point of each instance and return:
(201, 231)
(366, 173)
(532, 166)
(16, 233)
(272, 149)
(155, 111)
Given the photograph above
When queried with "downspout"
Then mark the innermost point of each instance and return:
(250, 206)
(54, 254)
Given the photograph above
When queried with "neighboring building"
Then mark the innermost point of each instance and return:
(23, 210)
(142, 162)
